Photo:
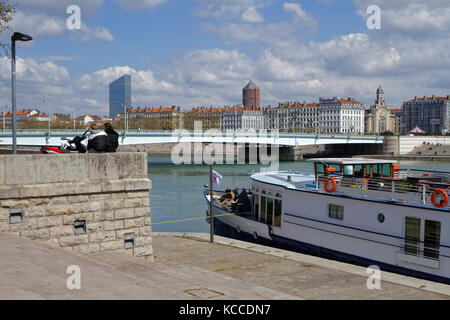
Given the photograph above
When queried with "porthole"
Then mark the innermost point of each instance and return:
(381, 218)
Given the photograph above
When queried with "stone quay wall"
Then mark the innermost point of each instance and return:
(82, 202)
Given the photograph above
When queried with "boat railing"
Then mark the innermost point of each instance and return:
(401, 173)
(395, 190)
(418, 173)
(419, 249)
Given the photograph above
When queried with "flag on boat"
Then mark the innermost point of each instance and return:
(217, 177)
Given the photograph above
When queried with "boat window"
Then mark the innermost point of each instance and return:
(432, 239)
(348, 170)
(336, 167)
(387, 170)
(278, 195)
(359, 171)
(367, 170)
(336, 212)
(256, 206)
(262, 215)
(269, 219)
(277, 215)
(320, 168)
(412, 235)
(376, 169)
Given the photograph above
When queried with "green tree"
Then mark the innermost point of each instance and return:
(7, 10)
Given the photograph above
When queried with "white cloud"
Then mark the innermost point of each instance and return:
(103, 34)
(87, 33)
(300, 14)
(58, 7)
(35, 81)
(47, 18)
(227, 8)
(358, 54)
(252, 15)
(411, 17)
(38, 25)
(139, 4)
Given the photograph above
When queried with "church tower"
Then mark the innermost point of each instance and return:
(380, 97)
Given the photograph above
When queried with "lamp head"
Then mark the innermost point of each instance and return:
(17, 36)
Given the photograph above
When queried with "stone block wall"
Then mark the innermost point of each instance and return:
(109, 193)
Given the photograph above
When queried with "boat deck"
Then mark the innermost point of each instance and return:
(412, 192)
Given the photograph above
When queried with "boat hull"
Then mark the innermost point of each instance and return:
(231, 226)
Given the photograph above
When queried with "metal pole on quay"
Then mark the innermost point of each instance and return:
(17, 36)
(211, 205)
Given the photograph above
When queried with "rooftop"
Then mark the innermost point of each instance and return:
(251, 85)
(351, 161)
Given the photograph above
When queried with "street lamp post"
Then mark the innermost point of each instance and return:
(4, 118)
(125, 121)
(74, 120)
(48, 117)
(17, 36)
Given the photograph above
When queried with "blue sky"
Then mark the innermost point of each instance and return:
(202, 52)
(154, 35)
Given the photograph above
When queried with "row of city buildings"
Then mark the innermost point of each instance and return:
(427, 115)
(35, 115)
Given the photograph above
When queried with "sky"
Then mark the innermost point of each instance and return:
(203, 52)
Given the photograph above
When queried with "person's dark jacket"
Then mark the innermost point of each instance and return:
(77, 142)
(113, 140)
(97, 142)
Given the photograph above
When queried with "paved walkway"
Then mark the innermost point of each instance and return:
(297, 274)
(186, 268)
(34, 270)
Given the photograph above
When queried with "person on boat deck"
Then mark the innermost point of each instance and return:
(97, 140)
(229, 195)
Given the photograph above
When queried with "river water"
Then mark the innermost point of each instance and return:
(177, 189)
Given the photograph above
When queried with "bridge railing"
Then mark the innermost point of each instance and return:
(184, 133)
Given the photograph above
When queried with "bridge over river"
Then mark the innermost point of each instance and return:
(53, 138)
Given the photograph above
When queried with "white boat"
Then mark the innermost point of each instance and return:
(362, 211)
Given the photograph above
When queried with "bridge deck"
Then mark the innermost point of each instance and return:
(38, 138)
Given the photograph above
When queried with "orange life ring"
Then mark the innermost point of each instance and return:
(333, 188)
(444, 198)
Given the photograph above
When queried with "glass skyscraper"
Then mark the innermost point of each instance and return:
(119, 95)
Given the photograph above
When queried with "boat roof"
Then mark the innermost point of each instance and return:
(345, 161)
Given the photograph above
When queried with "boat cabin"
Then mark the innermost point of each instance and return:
(356, 168)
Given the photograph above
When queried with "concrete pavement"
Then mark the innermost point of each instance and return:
(34, 270)
(186, 266)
